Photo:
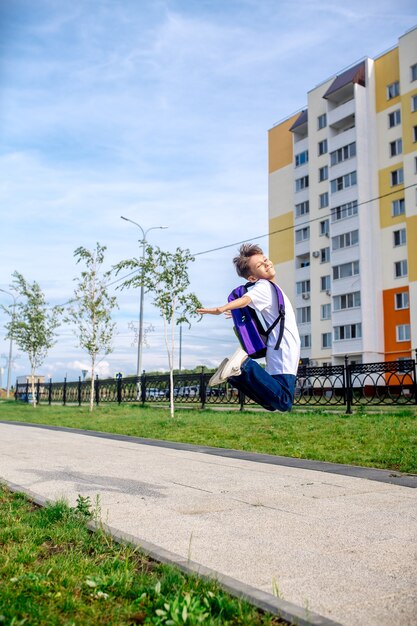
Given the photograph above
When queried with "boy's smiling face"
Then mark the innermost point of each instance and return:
(260, 267)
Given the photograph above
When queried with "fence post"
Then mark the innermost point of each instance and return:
(64, 392)
(79, 390)
(203, 392)
(348, 387)
(50, 392)
(16, 393)
(38, 391)
(97, 389)
(143, 387)
(119, 388)
(241, 400)
(415, 378)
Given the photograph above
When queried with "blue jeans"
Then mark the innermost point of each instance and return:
(273, 392)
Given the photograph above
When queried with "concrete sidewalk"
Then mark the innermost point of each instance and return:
(333, 545)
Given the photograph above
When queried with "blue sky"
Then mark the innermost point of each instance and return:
(157, 110)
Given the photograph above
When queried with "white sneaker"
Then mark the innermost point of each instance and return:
(232, 367)
(216, 379)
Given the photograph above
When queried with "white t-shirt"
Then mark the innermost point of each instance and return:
(285, 360)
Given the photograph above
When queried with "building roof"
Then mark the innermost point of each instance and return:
(355, 74)
(301, 119)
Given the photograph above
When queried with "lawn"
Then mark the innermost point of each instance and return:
(54, 571)
(383, 439)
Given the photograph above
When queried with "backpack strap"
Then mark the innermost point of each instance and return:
(281, 315)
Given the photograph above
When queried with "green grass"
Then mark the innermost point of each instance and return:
(53, 570)
(385, 439)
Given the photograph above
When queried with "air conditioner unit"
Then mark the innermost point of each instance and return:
(316, 254)
(306, 296)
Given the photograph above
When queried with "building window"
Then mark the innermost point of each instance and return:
(325, 255)
(301, 158)
(322, 121)
(398, 207)
(414, 133)
(402, 332)
(344, 211)
(325, 283)
(301, 183)
(347, 301)
(345, 240)
(302, 208)
(400, 268)
(326, 340)
(397, 177)
(414, 103)
(342, 182)
(413, 71)
(324, 227)
(396, 147)
(305, 341)
(401, 300)
(302, 234)
(325, 311)
(304, 315)
(322, 147)
(345, 270)
(324, 200)
(303, 287)
(323, 173)
(342, 154)
(400, 237)
(393, 90)
(349, 331)
(394, 118)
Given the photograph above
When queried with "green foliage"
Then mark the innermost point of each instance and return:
(53, 570)
(32, 323)
(165, 276)
(91, 308)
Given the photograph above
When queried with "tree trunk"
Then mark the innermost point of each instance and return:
(32, 387)
(93, 369)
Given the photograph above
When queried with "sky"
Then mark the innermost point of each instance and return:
(157, 110)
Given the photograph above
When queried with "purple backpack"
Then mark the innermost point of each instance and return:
(248, 328)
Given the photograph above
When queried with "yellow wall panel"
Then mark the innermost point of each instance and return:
(412, 247)
(280, 151)
(281, 243)
(387, 197)
(387, 71)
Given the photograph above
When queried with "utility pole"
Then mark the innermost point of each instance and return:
(143, 242)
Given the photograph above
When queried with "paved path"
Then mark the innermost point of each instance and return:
(335, 545)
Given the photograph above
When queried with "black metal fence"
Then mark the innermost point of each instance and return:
(388, 383)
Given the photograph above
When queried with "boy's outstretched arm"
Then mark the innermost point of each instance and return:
(239, 303)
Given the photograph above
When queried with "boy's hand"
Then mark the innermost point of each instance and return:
(215, 311)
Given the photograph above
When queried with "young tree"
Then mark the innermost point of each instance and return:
(32, 323)
(91, 308)
(165, 275)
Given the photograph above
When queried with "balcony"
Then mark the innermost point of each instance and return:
(342, 115)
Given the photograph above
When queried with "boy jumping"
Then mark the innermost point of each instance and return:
(272, 387)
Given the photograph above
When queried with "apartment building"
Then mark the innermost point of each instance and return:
(343, 210)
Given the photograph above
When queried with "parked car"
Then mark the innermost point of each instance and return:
(188, 391)
(154, 393)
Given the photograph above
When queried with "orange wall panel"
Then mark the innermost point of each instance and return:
(393, 318)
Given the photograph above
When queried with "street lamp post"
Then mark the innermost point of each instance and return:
(9, 363)
(143, 242)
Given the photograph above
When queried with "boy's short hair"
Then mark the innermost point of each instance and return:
(246, 251)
